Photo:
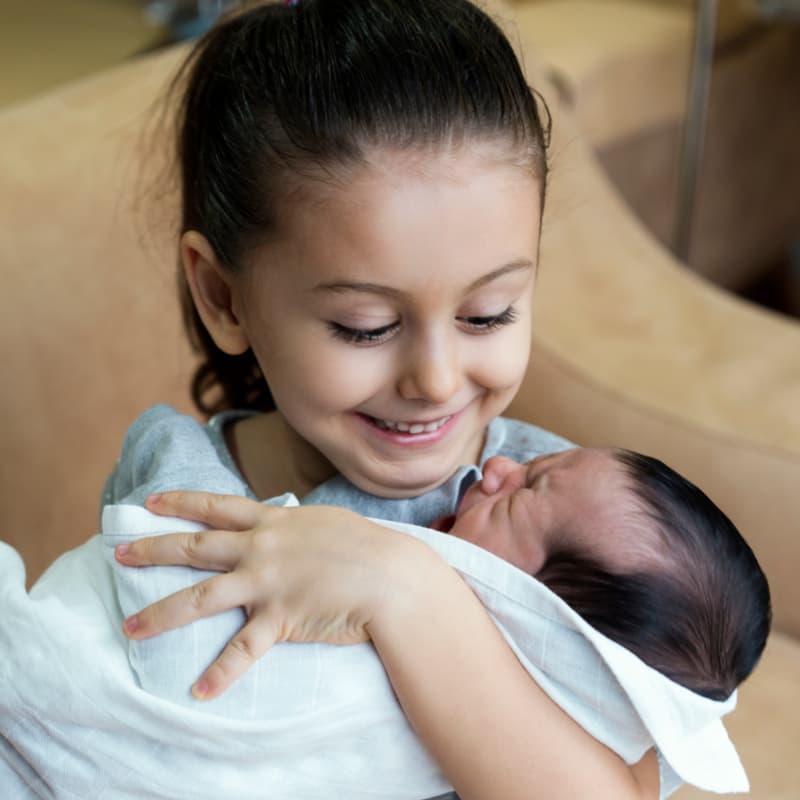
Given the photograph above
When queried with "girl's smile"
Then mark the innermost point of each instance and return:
(412, 433)
(392, 318)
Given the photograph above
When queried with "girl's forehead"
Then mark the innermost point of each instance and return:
(442, 159)
(407, 215)
(383, 169)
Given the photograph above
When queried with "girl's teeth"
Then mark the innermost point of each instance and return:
(405, 427)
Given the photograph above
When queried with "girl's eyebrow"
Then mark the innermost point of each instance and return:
(368, 287)
(512, 266)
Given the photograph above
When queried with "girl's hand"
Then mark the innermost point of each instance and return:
(310, 574)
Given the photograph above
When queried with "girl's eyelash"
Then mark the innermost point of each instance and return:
(378, 335)
(358, 336)
(507, 317)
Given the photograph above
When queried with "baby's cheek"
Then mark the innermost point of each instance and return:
(495, 538)
(517, 547)
(473, 531)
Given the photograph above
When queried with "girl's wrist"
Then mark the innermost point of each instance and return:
(389, 573)
(410, 572)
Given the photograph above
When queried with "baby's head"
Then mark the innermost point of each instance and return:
(637, 550)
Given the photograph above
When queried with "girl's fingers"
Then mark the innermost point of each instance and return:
(249, 644)
(203, 599)
(214, 550)
(225, 511)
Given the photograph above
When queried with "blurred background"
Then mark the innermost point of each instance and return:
(44, 43)
(717, 181)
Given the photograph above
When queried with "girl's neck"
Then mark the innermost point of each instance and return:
(273, 458)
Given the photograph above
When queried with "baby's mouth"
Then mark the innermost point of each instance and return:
(444, 524)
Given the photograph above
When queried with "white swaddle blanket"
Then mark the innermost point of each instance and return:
(81, 716)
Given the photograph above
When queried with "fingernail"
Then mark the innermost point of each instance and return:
(131, 625)
(200, 689)
(122, 550)
(154, 499)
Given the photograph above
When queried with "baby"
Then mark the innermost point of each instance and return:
(636, 549)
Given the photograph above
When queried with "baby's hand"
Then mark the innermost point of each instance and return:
(310, 574)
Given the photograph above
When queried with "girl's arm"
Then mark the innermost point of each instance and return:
(491, 728)
(327, 574)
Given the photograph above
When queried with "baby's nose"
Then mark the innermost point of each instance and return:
(495, 472)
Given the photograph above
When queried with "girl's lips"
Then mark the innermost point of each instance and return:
(413, 436)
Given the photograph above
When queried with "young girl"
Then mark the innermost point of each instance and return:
(362, 188)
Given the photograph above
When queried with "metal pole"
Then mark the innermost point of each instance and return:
(695, 124)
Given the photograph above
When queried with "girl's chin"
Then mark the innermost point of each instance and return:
(397, 483)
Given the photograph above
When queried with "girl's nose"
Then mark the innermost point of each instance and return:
(432, 373)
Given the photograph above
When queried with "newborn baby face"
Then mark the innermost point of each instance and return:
(521, 511)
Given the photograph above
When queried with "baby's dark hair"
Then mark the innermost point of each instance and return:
(700, 614)
(279, 95)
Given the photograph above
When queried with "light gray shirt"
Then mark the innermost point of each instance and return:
(164, 450)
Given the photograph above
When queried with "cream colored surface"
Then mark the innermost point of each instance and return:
(591, 45)
(89, 329)
(44, 43)
(630, 349)
(623, 65)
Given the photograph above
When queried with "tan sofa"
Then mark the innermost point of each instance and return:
(629, 348)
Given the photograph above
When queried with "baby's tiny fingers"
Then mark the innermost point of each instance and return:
(249, 644)
(203, 599)
(215, 550)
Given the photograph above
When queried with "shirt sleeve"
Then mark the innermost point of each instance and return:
(162, 451)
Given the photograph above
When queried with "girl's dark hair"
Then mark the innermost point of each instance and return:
(280, 94)
(702, 614)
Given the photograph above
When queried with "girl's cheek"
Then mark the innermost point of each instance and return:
(505, 365)
(349, 375)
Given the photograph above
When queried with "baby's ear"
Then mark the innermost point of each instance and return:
(210, 285)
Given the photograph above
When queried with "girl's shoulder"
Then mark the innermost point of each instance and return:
(163, 450)
(520, 441)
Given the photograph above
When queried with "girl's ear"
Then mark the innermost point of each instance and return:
(210, 286)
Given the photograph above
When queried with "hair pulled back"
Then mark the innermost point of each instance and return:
(281, 94)
(702, 615)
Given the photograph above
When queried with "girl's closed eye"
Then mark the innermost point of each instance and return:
(363, 336)
(475, 324)
(486, 324)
